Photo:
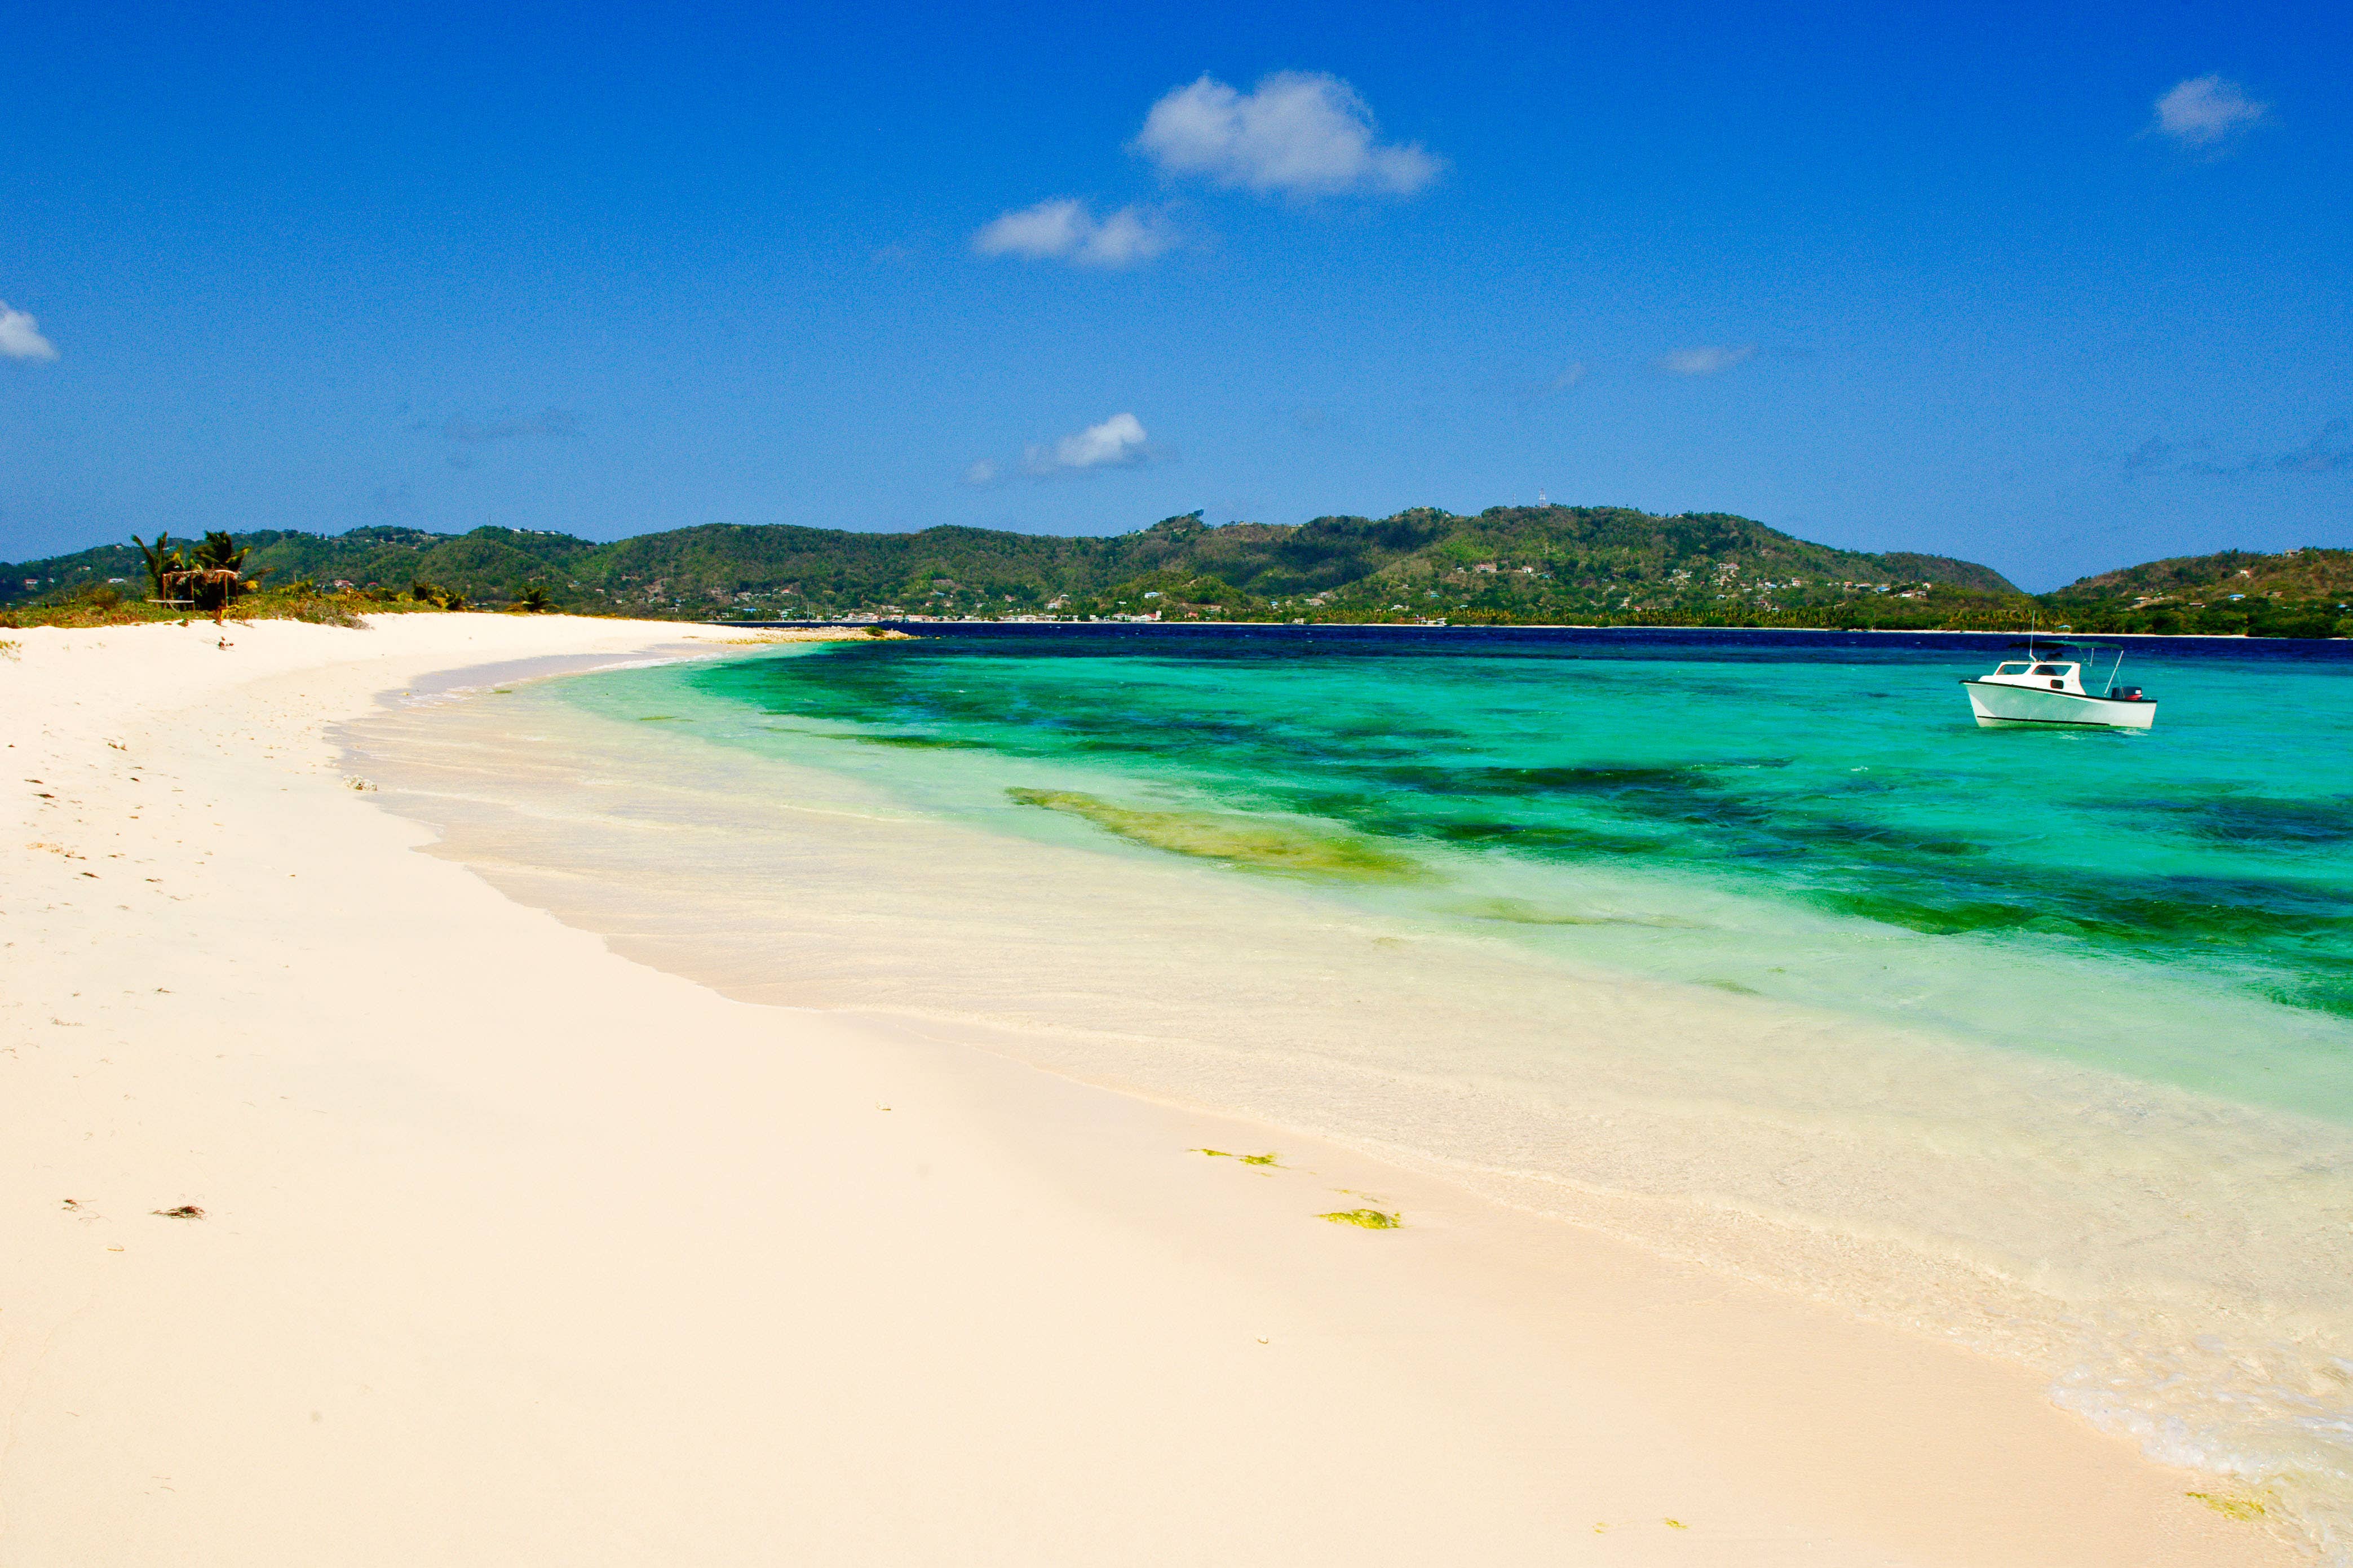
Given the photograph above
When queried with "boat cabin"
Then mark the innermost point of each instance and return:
(2064, 667)
(2043, 674)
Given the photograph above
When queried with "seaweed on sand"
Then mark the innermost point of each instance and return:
(2245, 1507)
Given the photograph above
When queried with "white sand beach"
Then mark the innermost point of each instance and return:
(514, 1251)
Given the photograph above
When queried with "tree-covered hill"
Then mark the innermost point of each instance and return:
(1507, 564)
(2307, 574)
(1558, 563)
(2297, 593)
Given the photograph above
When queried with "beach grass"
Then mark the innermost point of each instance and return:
(104, 606)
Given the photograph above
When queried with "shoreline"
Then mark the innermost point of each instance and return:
(2165, 1261)
(1532, 626)
(516, 1250)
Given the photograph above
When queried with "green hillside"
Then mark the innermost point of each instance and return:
(1545, 563)
(2297, 593)
(2306, 573)
(1508, 564)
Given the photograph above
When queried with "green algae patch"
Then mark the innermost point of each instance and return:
(920, 743)
(1364, 1219)
(656, 718)
(1253, 843)
(1519, 912)
(1733, 986)
(2244, 1508)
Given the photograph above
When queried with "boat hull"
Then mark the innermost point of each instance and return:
(1999, 705)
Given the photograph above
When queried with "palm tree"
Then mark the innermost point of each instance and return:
(219, 576)
(162, 561)
(221, 552)
(533, 600)
(208, 580)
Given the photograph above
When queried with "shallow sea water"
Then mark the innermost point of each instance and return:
(1750, 948)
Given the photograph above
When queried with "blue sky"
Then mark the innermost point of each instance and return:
(2054, 292)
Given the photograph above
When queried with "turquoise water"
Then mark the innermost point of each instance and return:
(1752, 950)
(1835, 785)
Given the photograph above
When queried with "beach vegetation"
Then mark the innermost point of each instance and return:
(322, 611)
(532, 599)
(297, 601)
(1365, 1219)
(211, 577)
(208, 577)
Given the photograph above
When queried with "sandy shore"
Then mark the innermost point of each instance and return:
(513, 1252)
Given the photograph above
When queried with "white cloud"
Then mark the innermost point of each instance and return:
(2205, 109)
(1705, 360)
(1117, 443)
(1062, 229)
(20, 336)
(1049, 228)
(1298, 133)
(1126, 238)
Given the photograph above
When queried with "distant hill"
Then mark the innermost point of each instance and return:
(2307, 574)
(1944, 569)
(2297, 593)
(1507, 563)
(1581, 565)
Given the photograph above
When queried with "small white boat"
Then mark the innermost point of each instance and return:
(2049, 686)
